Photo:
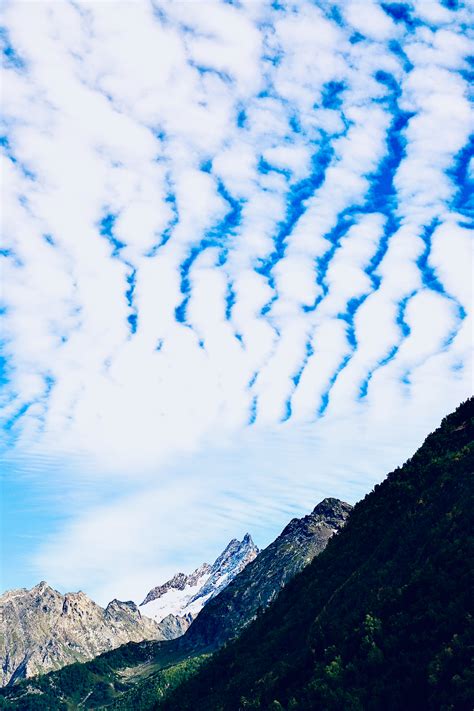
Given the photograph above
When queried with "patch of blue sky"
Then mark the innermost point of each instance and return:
(309, 351)
(9, 153)
(217, 236)
(394, 349)
(241, 117)
(230, 299)
(298, 194)
(428, 274)
(451, 4)
(430, 281)
(356, 37)
(401, 12)
(26, 520)
(295, 378)
(4, 369)
(11, 58)
(49, 240)
(332, 95)
(348, 316)
(49, 383)
(129, 294)
(204, 69)
(170, 200)
(468, 75)
(6, 252)
(396, 49)
(462, 175)
(324, 402)
(252, 380)
(106, 229)
(9, 424)
(345, 220)
(264, 167)
(253, 411)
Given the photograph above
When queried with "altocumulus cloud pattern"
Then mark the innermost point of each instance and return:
(221, 216)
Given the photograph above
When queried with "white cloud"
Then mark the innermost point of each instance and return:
(267, 258)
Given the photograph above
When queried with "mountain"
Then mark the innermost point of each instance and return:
(296, 546)
(135, 675)
(185, 595)
(41, 630)
(176, 594)
(383, 618)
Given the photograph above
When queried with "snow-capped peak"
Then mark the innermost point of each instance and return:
(186, 595)
(230, 563)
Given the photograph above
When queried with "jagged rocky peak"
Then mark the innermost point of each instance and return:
(330, 508)
(185, 595)
(42, 629)
(330, 515)
(230, 563)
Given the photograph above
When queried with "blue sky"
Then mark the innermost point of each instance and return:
(236, 270)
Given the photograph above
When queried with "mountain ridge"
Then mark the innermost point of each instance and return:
(124, 676)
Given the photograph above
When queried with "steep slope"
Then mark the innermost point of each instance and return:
(41, 629)
(296, 546)
(227, 566)
(129, 677)
(185, 595)
(383, 618)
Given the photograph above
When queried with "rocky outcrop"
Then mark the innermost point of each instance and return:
(42, 630)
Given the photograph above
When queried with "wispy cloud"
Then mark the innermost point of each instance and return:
(229, 218)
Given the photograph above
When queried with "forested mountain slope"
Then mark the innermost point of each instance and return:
(383, 618)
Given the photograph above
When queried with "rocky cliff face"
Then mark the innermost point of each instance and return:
(42, 630)
(185, 595)
(260, 582)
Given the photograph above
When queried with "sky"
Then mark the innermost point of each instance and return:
(235, 270)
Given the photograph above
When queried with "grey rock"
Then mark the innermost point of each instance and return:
(42, 630)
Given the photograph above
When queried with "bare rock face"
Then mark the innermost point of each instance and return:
(42, 630)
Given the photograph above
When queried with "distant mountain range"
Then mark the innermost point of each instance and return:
(236, 588)
(42, 630)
